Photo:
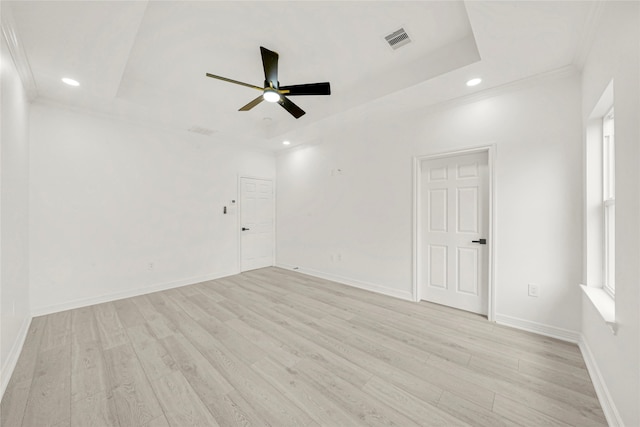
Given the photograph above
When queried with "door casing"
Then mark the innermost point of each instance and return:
(418, 219)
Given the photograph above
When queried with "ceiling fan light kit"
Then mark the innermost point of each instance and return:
(272, 91)
(271, 95)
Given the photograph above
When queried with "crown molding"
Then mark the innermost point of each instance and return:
(18, 54)
(514, 86)
(588, 33)
(309, 135)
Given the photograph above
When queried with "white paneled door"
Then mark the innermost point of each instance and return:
(256, 222)
(455, 225)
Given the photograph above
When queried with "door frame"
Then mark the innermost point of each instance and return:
(417, 220)
(239, 217)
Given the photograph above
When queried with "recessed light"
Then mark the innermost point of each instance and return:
(70, 82)
(474, 82)
(285, 143)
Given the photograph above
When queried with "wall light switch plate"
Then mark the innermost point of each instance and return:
(534, 290)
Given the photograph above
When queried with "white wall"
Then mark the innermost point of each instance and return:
(119, 209)
(365, 213)
(14, 206)
(615, 55)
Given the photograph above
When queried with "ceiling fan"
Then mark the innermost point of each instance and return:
(273, 92)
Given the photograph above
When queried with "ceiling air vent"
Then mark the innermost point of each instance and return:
(201, 131)
(398, 39)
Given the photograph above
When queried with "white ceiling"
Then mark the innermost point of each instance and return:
(147, 59)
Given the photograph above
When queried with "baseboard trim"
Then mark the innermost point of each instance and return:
(538, 328)
(606, 401)
(83, 302)
(371, 287)
(14, 354)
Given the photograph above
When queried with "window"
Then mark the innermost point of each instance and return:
(600, 209)
(608, 203)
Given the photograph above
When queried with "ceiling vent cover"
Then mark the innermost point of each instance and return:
(201, 130)
(398, 39)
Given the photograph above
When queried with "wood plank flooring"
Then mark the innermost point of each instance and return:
(274, 347)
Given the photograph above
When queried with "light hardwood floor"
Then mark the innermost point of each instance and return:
(274, 347)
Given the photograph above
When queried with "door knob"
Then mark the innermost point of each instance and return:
(481, 241)
(244, 229)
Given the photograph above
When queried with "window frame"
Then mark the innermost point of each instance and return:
(608, 203)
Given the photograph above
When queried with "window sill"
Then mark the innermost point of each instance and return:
(604, 304)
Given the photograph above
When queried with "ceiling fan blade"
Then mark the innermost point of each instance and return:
(308, 89)
(213, 76)
(292, 108)
(252, 104)
(270, 65)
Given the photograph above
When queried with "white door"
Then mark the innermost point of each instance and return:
(455, 207)
(256, 222)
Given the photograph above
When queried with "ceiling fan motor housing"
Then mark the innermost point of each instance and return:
(274, 85)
